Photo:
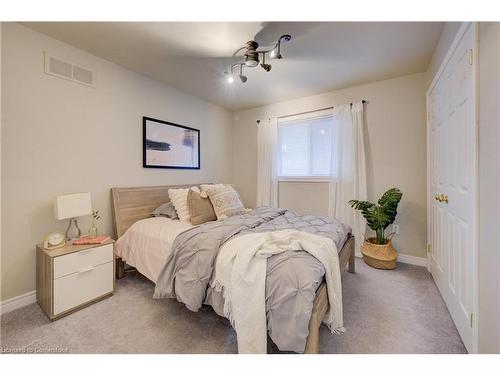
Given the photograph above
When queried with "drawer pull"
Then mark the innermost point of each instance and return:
(86, 270)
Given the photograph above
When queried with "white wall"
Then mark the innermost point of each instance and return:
(396, 152)
(61, 137)
(489, 188)
(448, 33)
(304, 197)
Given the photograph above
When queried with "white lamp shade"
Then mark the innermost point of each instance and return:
(72, 205)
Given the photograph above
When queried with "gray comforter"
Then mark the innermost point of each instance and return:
(291, 281)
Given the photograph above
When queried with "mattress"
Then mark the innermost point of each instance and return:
(147, 244)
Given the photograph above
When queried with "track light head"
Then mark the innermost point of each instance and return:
(251, 54)
(277, 51)
(241, 76)
(266, 67)
(252, 60)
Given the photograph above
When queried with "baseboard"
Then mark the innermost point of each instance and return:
(410, 259)
(403, 258)
(17, 302)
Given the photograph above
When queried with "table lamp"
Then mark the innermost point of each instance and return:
(71, 206)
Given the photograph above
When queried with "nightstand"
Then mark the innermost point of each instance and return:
(73, 277)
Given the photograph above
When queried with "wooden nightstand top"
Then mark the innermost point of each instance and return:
(70, 248)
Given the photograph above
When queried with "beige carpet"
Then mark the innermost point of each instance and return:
(397, 311)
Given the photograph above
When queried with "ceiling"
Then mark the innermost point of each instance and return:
(192, 56)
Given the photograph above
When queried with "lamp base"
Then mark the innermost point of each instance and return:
(75, 234)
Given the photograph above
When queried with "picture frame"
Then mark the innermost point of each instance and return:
(169, 145)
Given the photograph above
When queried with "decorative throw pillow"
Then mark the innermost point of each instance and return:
(204, 188)
(200, 209)
(167, 210)
(179, 198)
(225, 200)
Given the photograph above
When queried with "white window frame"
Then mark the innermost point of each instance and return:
(302, 116)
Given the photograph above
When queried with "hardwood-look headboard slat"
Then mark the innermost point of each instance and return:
(131, 204)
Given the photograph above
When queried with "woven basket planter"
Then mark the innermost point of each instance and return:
(379, 256)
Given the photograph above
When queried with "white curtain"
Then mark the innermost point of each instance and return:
(267, 163)
(348, 167)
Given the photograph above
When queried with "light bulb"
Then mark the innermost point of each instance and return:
(252, 63)
(230, 79)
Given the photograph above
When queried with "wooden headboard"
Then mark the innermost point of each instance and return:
(135, 203)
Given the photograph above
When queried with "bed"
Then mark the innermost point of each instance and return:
(132, 207)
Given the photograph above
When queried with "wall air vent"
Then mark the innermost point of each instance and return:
(67, 70)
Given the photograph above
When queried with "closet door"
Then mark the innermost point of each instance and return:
(452, 191)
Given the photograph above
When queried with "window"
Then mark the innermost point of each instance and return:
(304, 145)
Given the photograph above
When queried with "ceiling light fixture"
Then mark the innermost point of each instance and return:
(251, 57)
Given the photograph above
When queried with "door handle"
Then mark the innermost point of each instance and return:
(441, 198)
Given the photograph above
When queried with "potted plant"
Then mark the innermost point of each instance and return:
(378, 251)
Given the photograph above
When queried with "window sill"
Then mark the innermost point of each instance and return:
(323, 179)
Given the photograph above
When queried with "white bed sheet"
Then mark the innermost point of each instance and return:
(148, 242)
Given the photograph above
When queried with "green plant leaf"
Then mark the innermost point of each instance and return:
(360, 205)
(380, 216)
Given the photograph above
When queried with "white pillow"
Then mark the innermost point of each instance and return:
(179, 198)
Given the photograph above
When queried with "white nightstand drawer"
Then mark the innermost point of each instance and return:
(81, 260)
(80, 287)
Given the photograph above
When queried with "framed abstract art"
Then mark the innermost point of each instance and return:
(169, 145)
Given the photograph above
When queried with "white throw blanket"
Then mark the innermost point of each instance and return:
(240, 273)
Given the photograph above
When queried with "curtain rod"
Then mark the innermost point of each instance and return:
(314, 110)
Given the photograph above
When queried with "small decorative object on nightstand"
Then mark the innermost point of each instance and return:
(93, 227)
(73, 276)
(54, 241)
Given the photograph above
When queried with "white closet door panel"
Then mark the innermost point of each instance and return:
(452, 153)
